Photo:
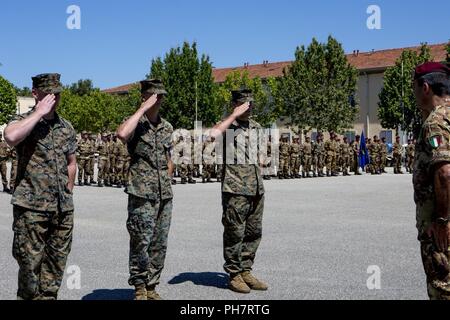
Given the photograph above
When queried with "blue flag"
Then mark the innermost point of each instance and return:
(363, 153)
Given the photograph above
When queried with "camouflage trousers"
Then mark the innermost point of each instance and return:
(3, 172)
(355, 164)
(41, 245)
(437, 269)
(410, 164)
(330, 163)
(84, 169)
(242, 221)
(317, 164)
(121, 175)
(148, 225)
(186, 171)
(397, 162)
(295, 165)
(284, 165)
(208, 171)
(103, 170)
(345, 164)
(306, 164)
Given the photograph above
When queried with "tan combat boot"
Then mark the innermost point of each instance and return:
(252, 282)
(152, 294)
(140, 292)
(237, 284)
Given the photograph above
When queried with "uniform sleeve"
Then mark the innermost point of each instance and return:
(437, 137)
(72, 142)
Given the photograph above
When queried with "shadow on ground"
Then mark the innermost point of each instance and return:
(207, 279)
(114, 294)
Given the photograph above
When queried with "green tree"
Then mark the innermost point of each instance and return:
(189, 83)
(397, 106)
(318, 89)
(24, 92)
(82, 87)
(448, 53)
(8, 101)
(267, 108)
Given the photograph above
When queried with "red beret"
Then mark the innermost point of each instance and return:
(430, 67)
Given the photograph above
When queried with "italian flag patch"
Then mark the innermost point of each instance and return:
(436, 141)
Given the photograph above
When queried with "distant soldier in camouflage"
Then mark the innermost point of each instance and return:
(294, 151)
(5, 154)
(267, 167)
(375, 159)
(306, 157)
(84, 159)
(122, 155)
(318, 156)
(383, 155)
(42, 202)
(92, 156)
(331, 149)
(209, 156)
(338, 155)
(346, 154)
(356, 146)
(186, 166)
(431, 177)
(284, 158)
(112, 140)
(242, 197)
(103, 162)
(397, 153)
(149, 189)
(369, 166)
(410, 151)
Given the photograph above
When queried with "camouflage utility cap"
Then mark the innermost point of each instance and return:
(48, 82)
(153, 86)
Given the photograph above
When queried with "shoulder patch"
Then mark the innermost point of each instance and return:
(435, 141)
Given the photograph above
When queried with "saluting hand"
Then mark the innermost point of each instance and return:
(242, 109)
(45, 106)
(149, 103)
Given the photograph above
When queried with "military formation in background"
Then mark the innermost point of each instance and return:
(297, 160)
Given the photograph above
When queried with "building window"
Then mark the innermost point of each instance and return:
(386, 134)
(350, 135)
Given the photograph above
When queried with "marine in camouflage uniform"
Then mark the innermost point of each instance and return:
(284, 158)
(267, 167)
(330, 150)
(103, 162)
(306, 158)
(5, 154)
(209, 156)
(242, 197)
(318, 155)
(430, 179)
(410, 151)
(375, 159)
(112, 140)
(383, 155)
(346, 154)
(83, 159)
(295, 153)
(92, 156)
(356, 146)
(186, 166)
(122, 155)
(149, 190)
(397, 152)
(42, 202)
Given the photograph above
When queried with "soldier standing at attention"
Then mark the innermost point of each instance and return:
(432, 176)
(103, 161)
(4, 156)
(355, 153)
(149, 189)
(42, 202)
(84, 151)
(318, 154)
(383, 154)
(306, 153)
(397, 155)
(112, 159)
(330, 149)
(410, 150)
(345, 156)
(92, 156)
(242, 197)
(284, 158)
(295, 157)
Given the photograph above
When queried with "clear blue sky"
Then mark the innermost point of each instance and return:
(119, 38)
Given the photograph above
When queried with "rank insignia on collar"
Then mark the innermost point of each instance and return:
(435, 141)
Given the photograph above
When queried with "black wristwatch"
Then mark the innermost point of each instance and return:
(442, 221)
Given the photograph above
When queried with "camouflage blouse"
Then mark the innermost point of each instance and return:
(42, 173)
(433, 147)
(242, 174)
(150, 148)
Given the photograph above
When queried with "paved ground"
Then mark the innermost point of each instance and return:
(320, 236)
